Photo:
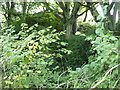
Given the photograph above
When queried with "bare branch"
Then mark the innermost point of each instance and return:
(75, 9)
(82, 13)
(116, 83)
(60, 4)
(110, 7)
(85, 17)
(61, 75)
(103, 79)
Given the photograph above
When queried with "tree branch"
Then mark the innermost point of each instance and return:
(82, 13)
(85, 16)
(103, 79)
(75, 9)
(109, 8)
(60, 4)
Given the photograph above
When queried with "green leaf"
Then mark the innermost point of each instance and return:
(29, 71)
(98, 31)
(9, 54)
(8, 82)
(38, 71)
(98, 39)
(63, 43)
(26, 86)
(99, 17)
(78, 69)
(98, 25)
(113, 38)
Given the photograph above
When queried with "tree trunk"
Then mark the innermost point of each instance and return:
(24, 10)
(119, 14)
(119, 10)
(112, 18)
(8, 13)
(8, 8)
(69, 16)
(69, 27)
(74, 27)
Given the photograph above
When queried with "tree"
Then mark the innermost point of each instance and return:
(110, 20)
(69, 16)
(24, 7)
(8, 8)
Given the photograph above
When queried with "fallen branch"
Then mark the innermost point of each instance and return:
(103, 79)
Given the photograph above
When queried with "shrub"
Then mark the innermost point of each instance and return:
(80, 51)
(86, 28)
(106, 57)
(116, 32)
(43, 19)
(27, 62)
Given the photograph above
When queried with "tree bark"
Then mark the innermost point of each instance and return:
(69, 30)
(8, 9)
(74, 27)
(24, 10)
(112, 18)
(69, 16)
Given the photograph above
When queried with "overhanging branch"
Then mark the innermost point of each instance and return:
(82, 13)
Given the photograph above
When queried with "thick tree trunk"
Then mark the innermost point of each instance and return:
(111, 25)
(8, 13)
(115, 15)
(8, 8)
(119, 12)
(69, 16)
(112, 18)
(69, 27)
(74, 27)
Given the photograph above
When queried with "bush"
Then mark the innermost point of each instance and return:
(28, 62)
(43, 19)
(86, 28)
(106, 57)
(80, 51)
(116, 32)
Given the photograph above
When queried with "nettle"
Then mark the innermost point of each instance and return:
(26, 58)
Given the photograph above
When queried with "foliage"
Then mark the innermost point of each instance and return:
(106, 57)
(26, 61)
(86, 28)
(32, 58)
(39, 56)
(80, 51)
(43, 19)
(117, 31)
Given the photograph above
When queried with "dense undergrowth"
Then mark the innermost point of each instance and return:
(36, 58)
(43, 49)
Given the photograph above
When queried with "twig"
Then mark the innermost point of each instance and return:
(84, 80)
(82, 13)
(68, 82)
(103, 79)
(61, 75)
(116, 83)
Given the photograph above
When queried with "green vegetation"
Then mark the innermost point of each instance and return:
(42, 50)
